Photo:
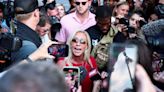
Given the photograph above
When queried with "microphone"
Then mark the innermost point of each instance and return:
(93, 74)
(153, 32)
(128, 59)
(153, 28)
(83, 74)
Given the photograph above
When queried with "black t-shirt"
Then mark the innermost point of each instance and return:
(30, 42)
(95, 34)
(26, 33)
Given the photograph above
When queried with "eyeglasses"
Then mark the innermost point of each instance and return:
(81, 41)
(78, 3)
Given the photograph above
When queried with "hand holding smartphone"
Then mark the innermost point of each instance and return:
(58, 50)
(72, 76)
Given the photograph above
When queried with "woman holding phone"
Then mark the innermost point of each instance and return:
(79, 56)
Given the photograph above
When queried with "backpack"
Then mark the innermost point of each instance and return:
(100, 53)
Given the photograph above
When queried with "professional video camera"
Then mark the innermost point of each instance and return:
(8, 43)
(9, 9)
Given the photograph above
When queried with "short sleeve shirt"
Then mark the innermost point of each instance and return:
(70, 24)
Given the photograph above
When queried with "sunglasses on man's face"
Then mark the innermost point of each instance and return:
(76, 40)
(78, 3)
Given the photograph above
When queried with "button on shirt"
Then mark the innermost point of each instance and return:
(70, 24)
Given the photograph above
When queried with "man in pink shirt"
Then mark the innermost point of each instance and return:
(81, 19)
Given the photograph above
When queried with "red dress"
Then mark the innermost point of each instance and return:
(87, 84)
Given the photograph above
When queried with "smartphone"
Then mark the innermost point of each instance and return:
(72, 76)
(58, 50)
(122, 63)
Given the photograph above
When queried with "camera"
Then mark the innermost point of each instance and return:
(126, 22)
(9, 9)
(8, 43)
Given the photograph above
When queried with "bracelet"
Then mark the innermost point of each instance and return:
(29, 60)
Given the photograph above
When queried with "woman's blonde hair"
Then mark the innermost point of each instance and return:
(86, 52)
(118, 4)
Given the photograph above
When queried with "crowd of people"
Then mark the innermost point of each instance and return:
(90, 28)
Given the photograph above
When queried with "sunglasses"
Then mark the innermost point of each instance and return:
(76, 40)
(78, 3)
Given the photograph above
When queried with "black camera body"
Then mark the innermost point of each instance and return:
(8, 43)
(126, 22)
(9, 9)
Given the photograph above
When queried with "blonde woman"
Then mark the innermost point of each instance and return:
(121, 9)
(79, 55)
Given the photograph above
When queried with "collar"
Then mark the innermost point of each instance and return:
(26, 33)
(91, 16)
(108, 38)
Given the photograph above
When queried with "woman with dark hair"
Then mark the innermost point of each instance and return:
(137, 19)
(130, 28)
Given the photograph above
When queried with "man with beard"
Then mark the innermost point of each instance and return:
(102, 35)
(81, 19)
(103, 27)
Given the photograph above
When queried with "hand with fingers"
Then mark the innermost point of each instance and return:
(42, 52)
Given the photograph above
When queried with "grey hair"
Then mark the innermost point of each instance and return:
(35, 77)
